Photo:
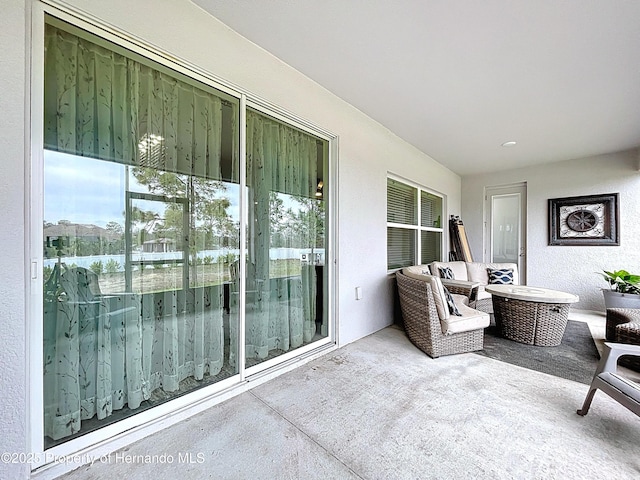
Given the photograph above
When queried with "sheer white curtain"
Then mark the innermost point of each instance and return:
(280, 305)
(92, 351)
(104, 352)
(102, 104)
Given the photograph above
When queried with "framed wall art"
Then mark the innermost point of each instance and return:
(585, 220)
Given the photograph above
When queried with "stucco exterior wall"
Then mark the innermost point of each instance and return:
(367, 152)
(567, 268)
(13, 358)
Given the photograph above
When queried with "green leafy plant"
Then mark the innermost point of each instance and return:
(622, 281)
(112, 266)
(46, 272)
(97, 267)
(228, 258)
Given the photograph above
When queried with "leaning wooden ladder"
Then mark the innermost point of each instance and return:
(460, 249)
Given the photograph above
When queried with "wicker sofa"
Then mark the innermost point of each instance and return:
(470, 278)
(428, 321)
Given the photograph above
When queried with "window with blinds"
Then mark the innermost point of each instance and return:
(414, 225)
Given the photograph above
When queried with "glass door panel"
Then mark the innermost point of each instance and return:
(144, 291)
(505, 232)
(505, 238)
(286, 238)
(141, 224)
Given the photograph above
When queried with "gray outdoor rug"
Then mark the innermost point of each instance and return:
(575, 358)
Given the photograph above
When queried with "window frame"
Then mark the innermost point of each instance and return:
(417, 228)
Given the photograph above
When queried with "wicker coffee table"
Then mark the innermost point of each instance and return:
(531, 315)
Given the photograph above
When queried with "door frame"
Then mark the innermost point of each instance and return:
(108, 438)
(499, 190)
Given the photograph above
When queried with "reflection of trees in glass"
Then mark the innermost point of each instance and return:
(115, 228)
(82, 239)
(309, 221)
(112, 266)
(277, 220)
(144, 223)
(210, 224)
(97, 267)
(299, 226)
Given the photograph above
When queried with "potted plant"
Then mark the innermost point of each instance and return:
(623, 291)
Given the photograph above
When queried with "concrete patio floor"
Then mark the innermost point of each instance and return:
(381, 409)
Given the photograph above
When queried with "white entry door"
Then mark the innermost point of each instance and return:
(506, 226)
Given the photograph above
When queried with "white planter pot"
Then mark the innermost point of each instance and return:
(620, 300)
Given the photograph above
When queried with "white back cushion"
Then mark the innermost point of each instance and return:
(421, 272)
(417, 271)
(459, 269)
(478, 271)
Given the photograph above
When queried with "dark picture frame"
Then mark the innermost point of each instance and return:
(585, 220)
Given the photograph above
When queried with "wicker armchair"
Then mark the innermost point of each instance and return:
(423, 325)
(623, 326)
(620, 316)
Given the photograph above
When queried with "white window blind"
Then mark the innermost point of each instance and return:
(414, 225)
(400, 247)
(401, 203)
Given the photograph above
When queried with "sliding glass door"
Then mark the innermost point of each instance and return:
(286, 225)
(166, 270)
(141, 225)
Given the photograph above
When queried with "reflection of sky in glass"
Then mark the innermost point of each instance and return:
(82, 190)
(89, 191)
(291, 202)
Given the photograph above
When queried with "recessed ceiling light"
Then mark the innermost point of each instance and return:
(509, 144)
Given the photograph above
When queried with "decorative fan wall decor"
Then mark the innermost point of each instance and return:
(586, 220)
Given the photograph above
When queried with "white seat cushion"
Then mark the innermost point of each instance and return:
(470, 320)
(460, 299)
(482, 293)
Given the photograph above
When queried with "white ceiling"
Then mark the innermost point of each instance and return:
(457, 78)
